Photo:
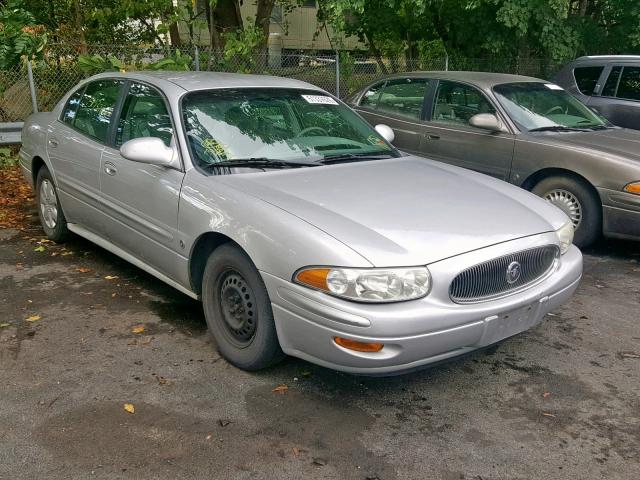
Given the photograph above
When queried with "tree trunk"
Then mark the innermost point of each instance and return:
(79, 24)
(376, 54)
(174, 35)
(263, 20)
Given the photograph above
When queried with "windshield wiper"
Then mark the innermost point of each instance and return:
(557, 128)
(263, 162)
(346, 157)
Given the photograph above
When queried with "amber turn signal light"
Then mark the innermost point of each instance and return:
(633, 188)
(314, 277)
(358, 346)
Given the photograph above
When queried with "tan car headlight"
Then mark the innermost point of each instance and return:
(368, 284)
(565, 236)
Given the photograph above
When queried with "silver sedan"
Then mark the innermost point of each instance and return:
(301, 228)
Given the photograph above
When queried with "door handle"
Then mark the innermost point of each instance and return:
(110, 169)
(431, 136)
(53, 143)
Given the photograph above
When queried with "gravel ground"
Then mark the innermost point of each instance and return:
(560, 401)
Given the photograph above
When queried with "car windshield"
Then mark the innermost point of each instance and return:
(228, 125)
(545, 106)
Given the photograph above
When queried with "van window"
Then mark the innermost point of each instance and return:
(629, 85)
(587, 78)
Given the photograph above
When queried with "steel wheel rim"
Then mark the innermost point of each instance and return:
(568, 203)
(48, 204)
(238, 308)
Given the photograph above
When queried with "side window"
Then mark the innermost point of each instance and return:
(629, 85)
(69, 112)
(371, 96)
(611, 84)
(456, 103)
(96, 108)
(403, 97)
(587, 78)
(144, 114)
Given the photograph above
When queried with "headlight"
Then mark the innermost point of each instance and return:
(565, 236)
(368, 284)
(633, 187)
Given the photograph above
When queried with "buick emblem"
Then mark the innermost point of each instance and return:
(513, 272)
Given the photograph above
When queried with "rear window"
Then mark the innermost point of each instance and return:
(587, 78)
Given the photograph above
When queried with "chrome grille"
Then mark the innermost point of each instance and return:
(489, 280)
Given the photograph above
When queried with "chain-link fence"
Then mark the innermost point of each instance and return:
(63, 66)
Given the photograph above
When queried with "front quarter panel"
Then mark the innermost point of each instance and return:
(278, 242)
(600, 169)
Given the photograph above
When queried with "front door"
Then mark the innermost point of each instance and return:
(449, 137)
(142, 199)
(397, 103)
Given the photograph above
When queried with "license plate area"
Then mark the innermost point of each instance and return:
(504, 325)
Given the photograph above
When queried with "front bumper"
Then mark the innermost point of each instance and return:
(620, 214)
(418, 332)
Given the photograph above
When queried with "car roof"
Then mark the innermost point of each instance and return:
(191, 81)
(480, 79)
(608, 58)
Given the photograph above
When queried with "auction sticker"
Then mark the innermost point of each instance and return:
(319, 100)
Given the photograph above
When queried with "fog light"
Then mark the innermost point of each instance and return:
(358, 346)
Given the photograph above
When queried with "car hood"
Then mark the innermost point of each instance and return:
(619, 142)
(404, 211)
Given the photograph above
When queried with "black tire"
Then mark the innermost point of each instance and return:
(53, 221)
(238, 310)
(589, 226)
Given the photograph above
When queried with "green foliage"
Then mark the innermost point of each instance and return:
(176, 62)
(92, 64)
(8, 158)
(239, 49)
(20, 36)
(554, 29)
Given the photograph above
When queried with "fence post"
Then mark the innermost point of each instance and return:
(196, 57)
(446, 62)
(32, 88)
(338, 74)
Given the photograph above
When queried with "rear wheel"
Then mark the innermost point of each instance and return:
(578, 201)
(50, 212)
(238, 310)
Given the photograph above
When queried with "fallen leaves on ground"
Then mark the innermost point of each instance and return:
(129, 408)
(137, 330)
(3, 325)
(111, 277)
(280, 389)
(629, 355)
(16, 196)
(83, 270)
(39, 249)
(547, 414)
(33, 318)
(546, 394)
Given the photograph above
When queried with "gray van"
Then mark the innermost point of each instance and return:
(609, 84)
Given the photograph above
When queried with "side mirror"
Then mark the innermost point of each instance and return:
(149, 150)
(386, 132)
(487, 121)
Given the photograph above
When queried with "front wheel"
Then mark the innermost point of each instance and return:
(50, 211)
(238, 310)
(578, 201)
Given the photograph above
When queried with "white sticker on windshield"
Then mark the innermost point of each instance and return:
(553, 86)
(319, 99)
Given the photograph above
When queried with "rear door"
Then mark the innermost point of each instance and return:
(449, 137)
(398, 103)
(141, 200)
(619, 99)
(75, 143)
